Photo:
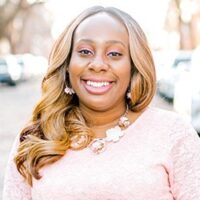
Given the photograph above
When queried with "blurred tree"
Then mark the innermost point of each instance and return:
(12, 16)
(184, 24)
(182, 18)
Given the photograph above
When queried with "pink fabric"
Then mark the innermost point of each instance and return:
(157, 159)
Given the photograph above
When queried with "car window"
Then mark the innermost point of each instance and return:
(2, 62)
(185, 61)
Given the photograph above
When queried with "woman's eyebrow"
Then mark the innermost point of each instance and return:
(107, 42)
(85, 40)
(116, 42)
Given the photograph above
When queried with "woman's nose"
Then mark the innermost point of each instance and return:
(98, 64)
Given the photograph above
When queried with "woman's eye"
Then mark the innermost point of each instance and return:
(114, 54)
(85, 52)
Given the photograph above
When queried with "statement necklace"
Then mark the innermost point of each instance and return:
(114, 134)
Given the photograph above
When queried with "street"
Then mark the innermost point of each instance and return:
(16, 105)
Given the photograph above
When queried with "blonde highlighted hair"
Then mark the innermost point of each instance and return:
(57, 123)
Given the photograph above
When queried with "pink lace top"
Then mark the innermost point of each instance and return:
(157, 159)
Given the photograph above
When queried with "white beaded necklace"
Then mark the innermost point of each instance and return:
(114, 134)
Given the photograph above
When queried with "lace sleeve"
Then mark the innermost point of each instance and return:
(185, 177)
(15, 187)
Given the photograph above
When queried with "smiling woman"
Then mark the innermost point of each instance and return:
(93, 135)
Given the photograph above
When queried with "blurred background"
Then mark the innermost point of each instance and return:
(28, 29)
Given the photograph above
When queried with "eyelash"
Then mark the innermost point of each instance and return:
(114, 54)
(86, 52)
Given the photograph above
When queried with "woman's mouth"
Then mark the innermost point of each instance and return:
(97, 87)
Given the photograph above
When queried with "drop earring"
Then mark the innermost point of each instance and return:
(128, 94)
(69, 91)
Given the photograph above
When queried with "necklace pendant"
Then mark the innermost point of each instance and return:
(98, 146)
(124, 122)
(114, 134)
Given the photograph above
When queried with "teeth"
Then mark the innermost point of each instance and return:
(97, 84)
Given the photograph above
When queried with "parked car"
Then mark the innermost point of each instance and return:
(10, 70)
(25, 61)
(179, 63)
(4, 75)
(187, 99)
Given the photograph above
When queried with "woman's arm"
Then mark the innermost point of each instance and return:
(185, 176)
(15, 187)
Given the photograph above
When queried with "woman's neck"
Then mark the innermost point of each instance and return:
(103, 119)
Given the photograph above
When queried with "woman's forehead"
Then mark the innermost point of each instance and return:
(101, 25)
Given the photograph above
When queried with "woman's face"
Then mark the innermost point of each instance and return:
(100, 66)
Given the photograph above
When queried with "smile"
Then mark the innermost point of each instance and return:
(97, 87)
(97, 84)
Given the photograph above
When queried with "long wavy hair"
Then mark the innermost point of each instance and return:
(57, 123)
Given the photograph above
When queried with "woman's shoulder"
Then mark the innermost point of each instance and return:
(162, 114)
(153, 115)
(153, 121)
(178, 126)
(163, 121)
(171, 118)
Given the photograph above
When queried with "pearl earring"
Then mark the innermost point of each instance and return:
(69, 91)
(128, 95)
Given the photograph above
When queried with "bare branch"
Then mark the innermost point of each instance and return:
(7, 18)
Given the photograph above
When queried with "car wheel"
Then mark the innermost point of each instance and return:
(12, 83)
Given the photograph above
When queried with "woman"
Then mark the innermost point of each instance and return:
(93, 135)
